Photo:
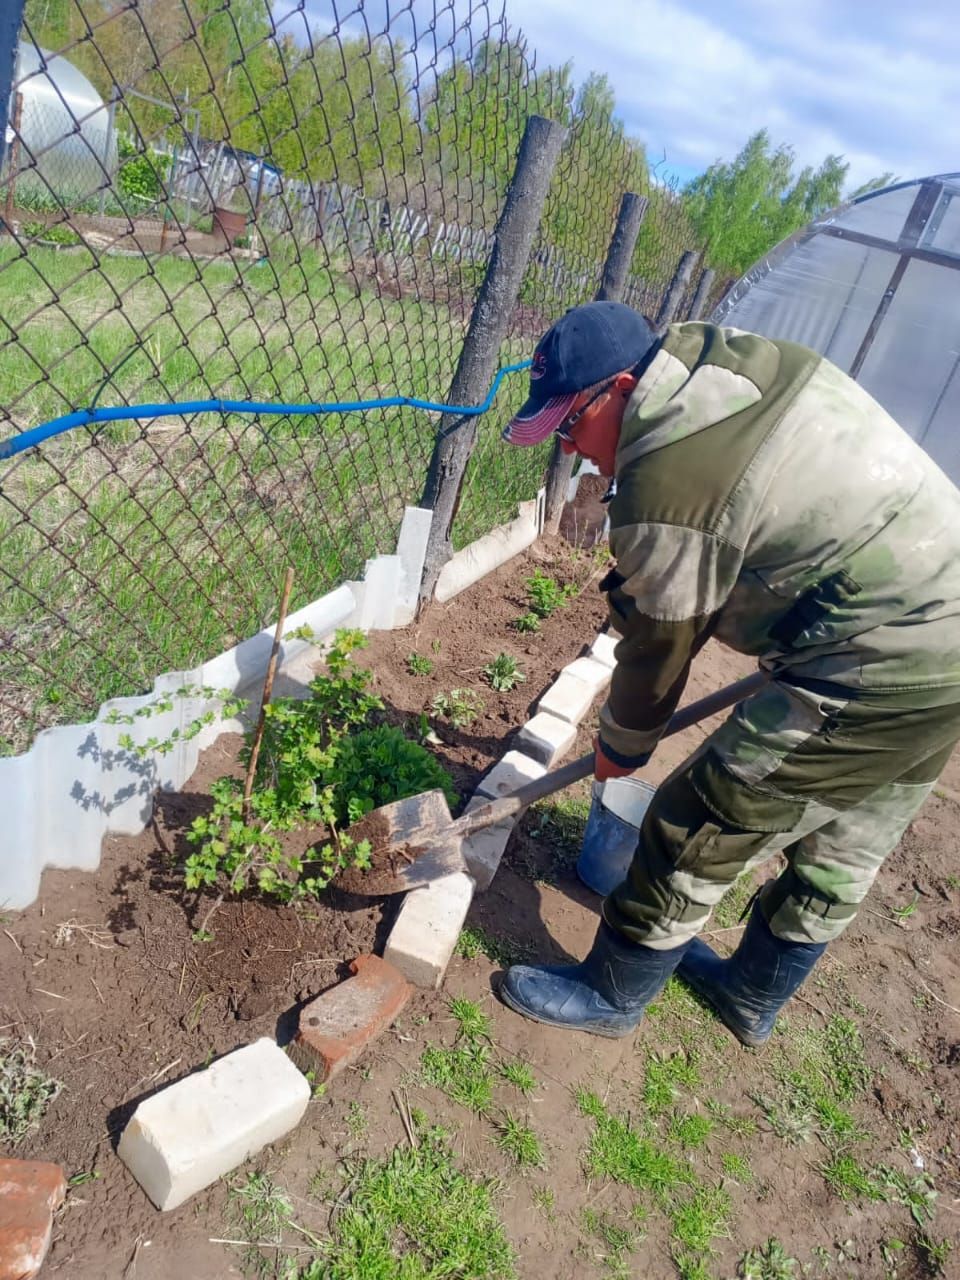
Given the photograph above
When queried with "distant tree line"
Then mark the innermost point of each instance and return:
(346, 108)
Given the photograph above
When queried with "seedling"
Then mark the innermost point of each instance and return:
(902, 914)
(418, 665)
(934, 1253)
(736, 1167)
(545, 594)
(504, 673)
(460, 706)
(526, 623)
(768, 1262)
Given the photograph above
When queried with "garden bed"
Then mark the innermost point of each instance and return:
(105, 972)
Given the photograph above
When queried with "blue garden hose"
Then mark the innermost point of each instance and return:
(87, 417)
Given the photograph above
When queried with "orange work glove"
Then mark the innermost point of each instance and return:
(604, 767)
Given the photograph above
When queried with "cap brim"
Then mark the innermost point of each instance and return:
(539, 419)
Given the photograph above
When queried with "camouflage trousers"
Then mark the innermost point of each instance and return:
(829, 782)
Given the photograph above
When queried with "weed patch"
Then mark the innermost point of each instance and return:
(25, 1091)
(417, 1216)
(519, 1141)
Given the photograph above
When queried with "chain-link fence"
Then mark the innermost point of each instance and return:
(272, 202)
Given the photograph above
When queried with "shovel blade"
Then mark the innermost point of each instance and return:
(409, 846)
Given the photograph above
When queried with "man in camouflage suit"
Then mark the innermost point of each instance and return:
(763, 498)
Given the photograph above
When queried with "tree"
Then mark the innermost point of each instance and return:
(873, 184)
(741, 209)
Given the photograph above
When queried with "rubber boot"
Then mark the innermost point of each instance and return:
(749, 990)
(605, 994)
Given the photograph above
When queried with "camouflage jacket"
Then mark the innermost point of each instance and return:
(764, 498)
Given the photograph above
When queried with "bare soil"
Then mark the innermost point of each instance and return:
(102, 973)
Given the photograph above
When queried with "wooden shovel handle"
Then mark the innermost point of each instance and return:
(498, 810)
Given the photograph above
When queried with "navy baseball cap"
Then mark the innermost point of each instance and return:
(589, 343)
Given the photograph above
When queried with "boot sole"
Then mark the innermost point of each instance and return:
(746, 1039)
(607, 1033)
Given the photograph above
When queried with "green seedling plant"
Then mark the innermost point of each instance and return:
(419, 665)
(460, 706)
(526, 623)
(546, 596)
(504, 673)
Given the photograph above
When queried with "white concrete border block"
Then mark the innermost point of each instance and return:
(594, 674)
(488, 553)
(412, 550)
(427, 927)
(567, 698)
(193, 1132)
(546, 738)
(602, 649)
(510, 773)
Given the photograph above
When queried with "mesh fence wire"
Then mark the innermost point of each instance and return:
(245, 200)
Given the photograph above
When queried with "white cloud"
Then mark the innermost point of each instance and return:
(693, 79)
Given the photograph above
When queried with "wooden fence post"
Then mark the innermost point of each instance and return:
(704, 285)
(612, 284)
(513, 239)
(674, 295)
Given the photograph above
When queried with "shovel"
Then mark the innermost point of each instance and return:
(416, 841)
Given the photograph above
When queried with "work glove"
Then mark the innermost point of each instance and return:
(604, 767)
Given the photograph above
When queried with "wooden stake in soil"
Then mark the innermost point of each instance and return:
(267, 690)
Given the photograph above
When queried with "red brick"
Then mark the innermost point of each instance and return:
(30, 1191)
(337, 1026)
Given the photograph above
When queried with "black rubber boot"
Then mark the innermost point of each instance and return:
(750, 989)
(605, 994)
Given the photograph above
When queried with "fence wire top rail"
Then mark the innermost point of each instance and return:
(132, 412)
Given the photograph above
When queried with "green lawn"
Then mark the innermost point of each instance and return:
(150, 546)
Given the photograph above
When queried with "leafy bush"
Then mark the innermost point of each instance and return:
(379, 765)
(141, 173)
(58, 233)
(318, 764)
(546, 595)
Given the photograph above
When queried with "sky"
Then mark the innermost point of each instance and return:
(877, 81)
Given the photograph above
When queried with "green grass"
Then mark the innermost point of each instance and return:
(25, 1091)
(262, 1211)
(736, 1167)
(473, 1023)
(520, 1075)
(690, 1131)
(416, 1216)
(665, 1076)
(849, 1180)
(154, 547)
(463, 1073)
(474, 942)
(519, 1142)
(732, 905)
(699, 1218)
(620, 1152)
(616, 1242)
(818, 1072)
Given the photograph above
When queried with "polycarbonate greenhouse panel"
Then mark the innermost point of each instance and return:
(875, 287)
